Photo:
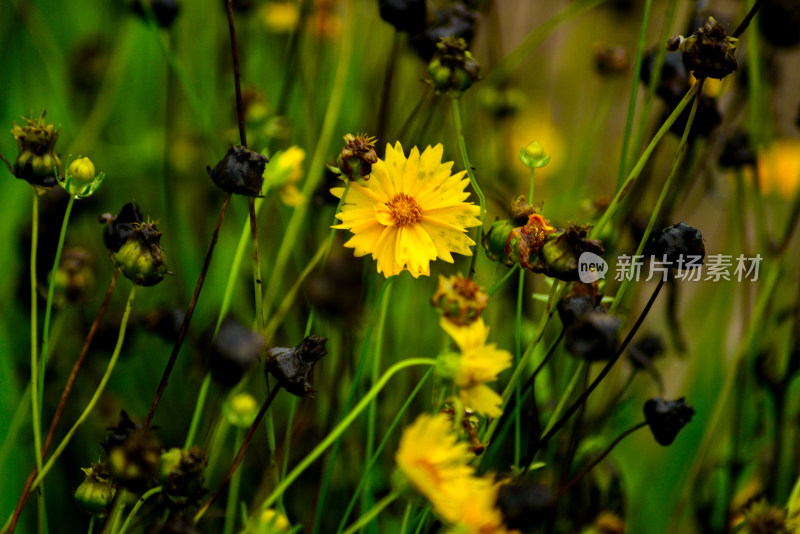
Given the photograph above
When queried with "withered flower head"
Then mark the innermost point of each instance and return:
(762, 518)
(559, 254)
(667, 418)
(357, 157)
(575, 305)
(524, 242)
(610, 60)
(74, 277)
(240, 172)
(459, 299)
(469, 423)
(593, 336)
(141, 259)
(453, 70)
(678, 243)
(133, 454)
(233, 352)
(293, 367)
(180, 472)
(96, 492)
(452, 18)
(709, 51)
(36, 162)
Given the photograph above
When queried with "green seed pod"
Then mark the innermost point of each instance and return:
(36, 162)
(96, 492)
(453, 70)
(141, 258)
(494, 241)
(180, 472)
(558, 256)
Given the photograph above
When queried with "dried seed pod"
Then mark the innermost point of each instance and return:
(709, 52)
(524, 242)
(36, 162)
(667, 418)
(96, 492)
(133, 453)
(240, 171)
(593, 336)
(405, 15)
(74, 277)
(141, 259)
(293, 367)
(646, 349)
(610, 60)
(456, 19)
(180, 472)
(559, 254)
(357, 157)
(453, 70)
(677, 243)
(460, 300)
(120, 227)
(573, 307)
(779, 22)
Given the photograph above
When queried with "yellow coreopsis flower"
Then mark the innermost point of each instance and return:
(479, 515)
(411, 212)
(436, 464)
(477, 365)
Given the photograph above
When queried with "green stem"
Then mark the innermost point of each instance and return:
(462, 146)
(95, 397)
(406, 518)
(91, 523)
(372, 513)
(50, 292)
(233, 492)
(637, 67)
(149, 493)
(657, 209)
(499, 284)
(637, 169)
(198, 411)
(342, 426)
(35, 414)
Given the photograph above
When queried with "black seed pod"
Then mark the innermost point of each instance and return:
(709, 52)
(667, 418)
(525, 506)
(593, 336)
(779, 22)
(120, 227)
(118, 434)
(678, 243)
(405, 15)
(233, 352)
(133, 454)
(572, 308)
(738, 151)
(181, 473)
(240, 172)
(643, 351)
(293, 367)
(165, 11)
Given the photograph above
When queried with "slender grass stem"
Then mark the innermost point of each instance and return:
(637, 68)
(149, 493)
(95, 396)
(504, 279)
(35, 396)
(462, 146)
(50, 293)
(637, 169)
(197, 414)
(189, 312)
(240, 454)
(233, 493)
(660, 202)
(372, 513)
(256, 265)
(342, 426)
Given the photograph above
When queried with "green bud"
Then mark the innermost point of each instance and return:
(96, 491)
(141, 258)
(534, 156)
(241, 410)
(82, 171)
(494, 241)
(270, 521)
(81, 179)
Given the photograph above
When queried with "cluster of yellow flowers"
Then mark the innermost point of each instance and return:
(436, 464)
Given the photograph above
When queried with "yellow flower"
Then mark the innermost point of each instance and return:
(478, 364)
(479, 515)
(283, 173)
(779, 167)
(411, 212)
(435, 463)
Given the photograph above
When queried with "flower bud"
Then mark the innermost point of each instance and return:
(241, 410)
(460, 300)
(141, 259)
(494, 241)
(96, 492)
(593, 336)
(534, 156)
(678, 243)
(357, 157)
(453, 70)
(293, 367)
(36, 162)
(81, 180)
(180, 472)
(709, 52)
(667, 418)
(240, 172)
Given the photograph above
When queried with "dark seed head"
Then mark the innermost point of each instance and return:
(235, 349)
(240, 172)
(667, 418)
(593, 336)
(293, 367)
(678, 243)
(405, 15)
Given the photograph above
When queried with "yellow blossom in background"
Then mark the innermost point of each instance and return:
(779, 167)
(436, 464)
(283, 172)
(411, 212)
(270, 521)
(479, 514)
(279, 17)
(477, 365)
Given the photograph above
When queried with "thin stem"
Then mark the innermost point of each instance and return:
(637, 169)
(95, 397)
(233, 494)
(637, 67)
(198, 411)
(256, 264)
(188, 317)
(372, 513)
(149, 493)
(462, 146)
(236, 75)
(659, 203)
(239, 455)
(600, 458)
(342, 426)
(50, 292)
(499, 284)
(35, 413)
(746, 21)
(585, 395)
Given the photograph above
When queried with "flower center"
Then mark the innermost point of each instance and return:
(404, 210)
